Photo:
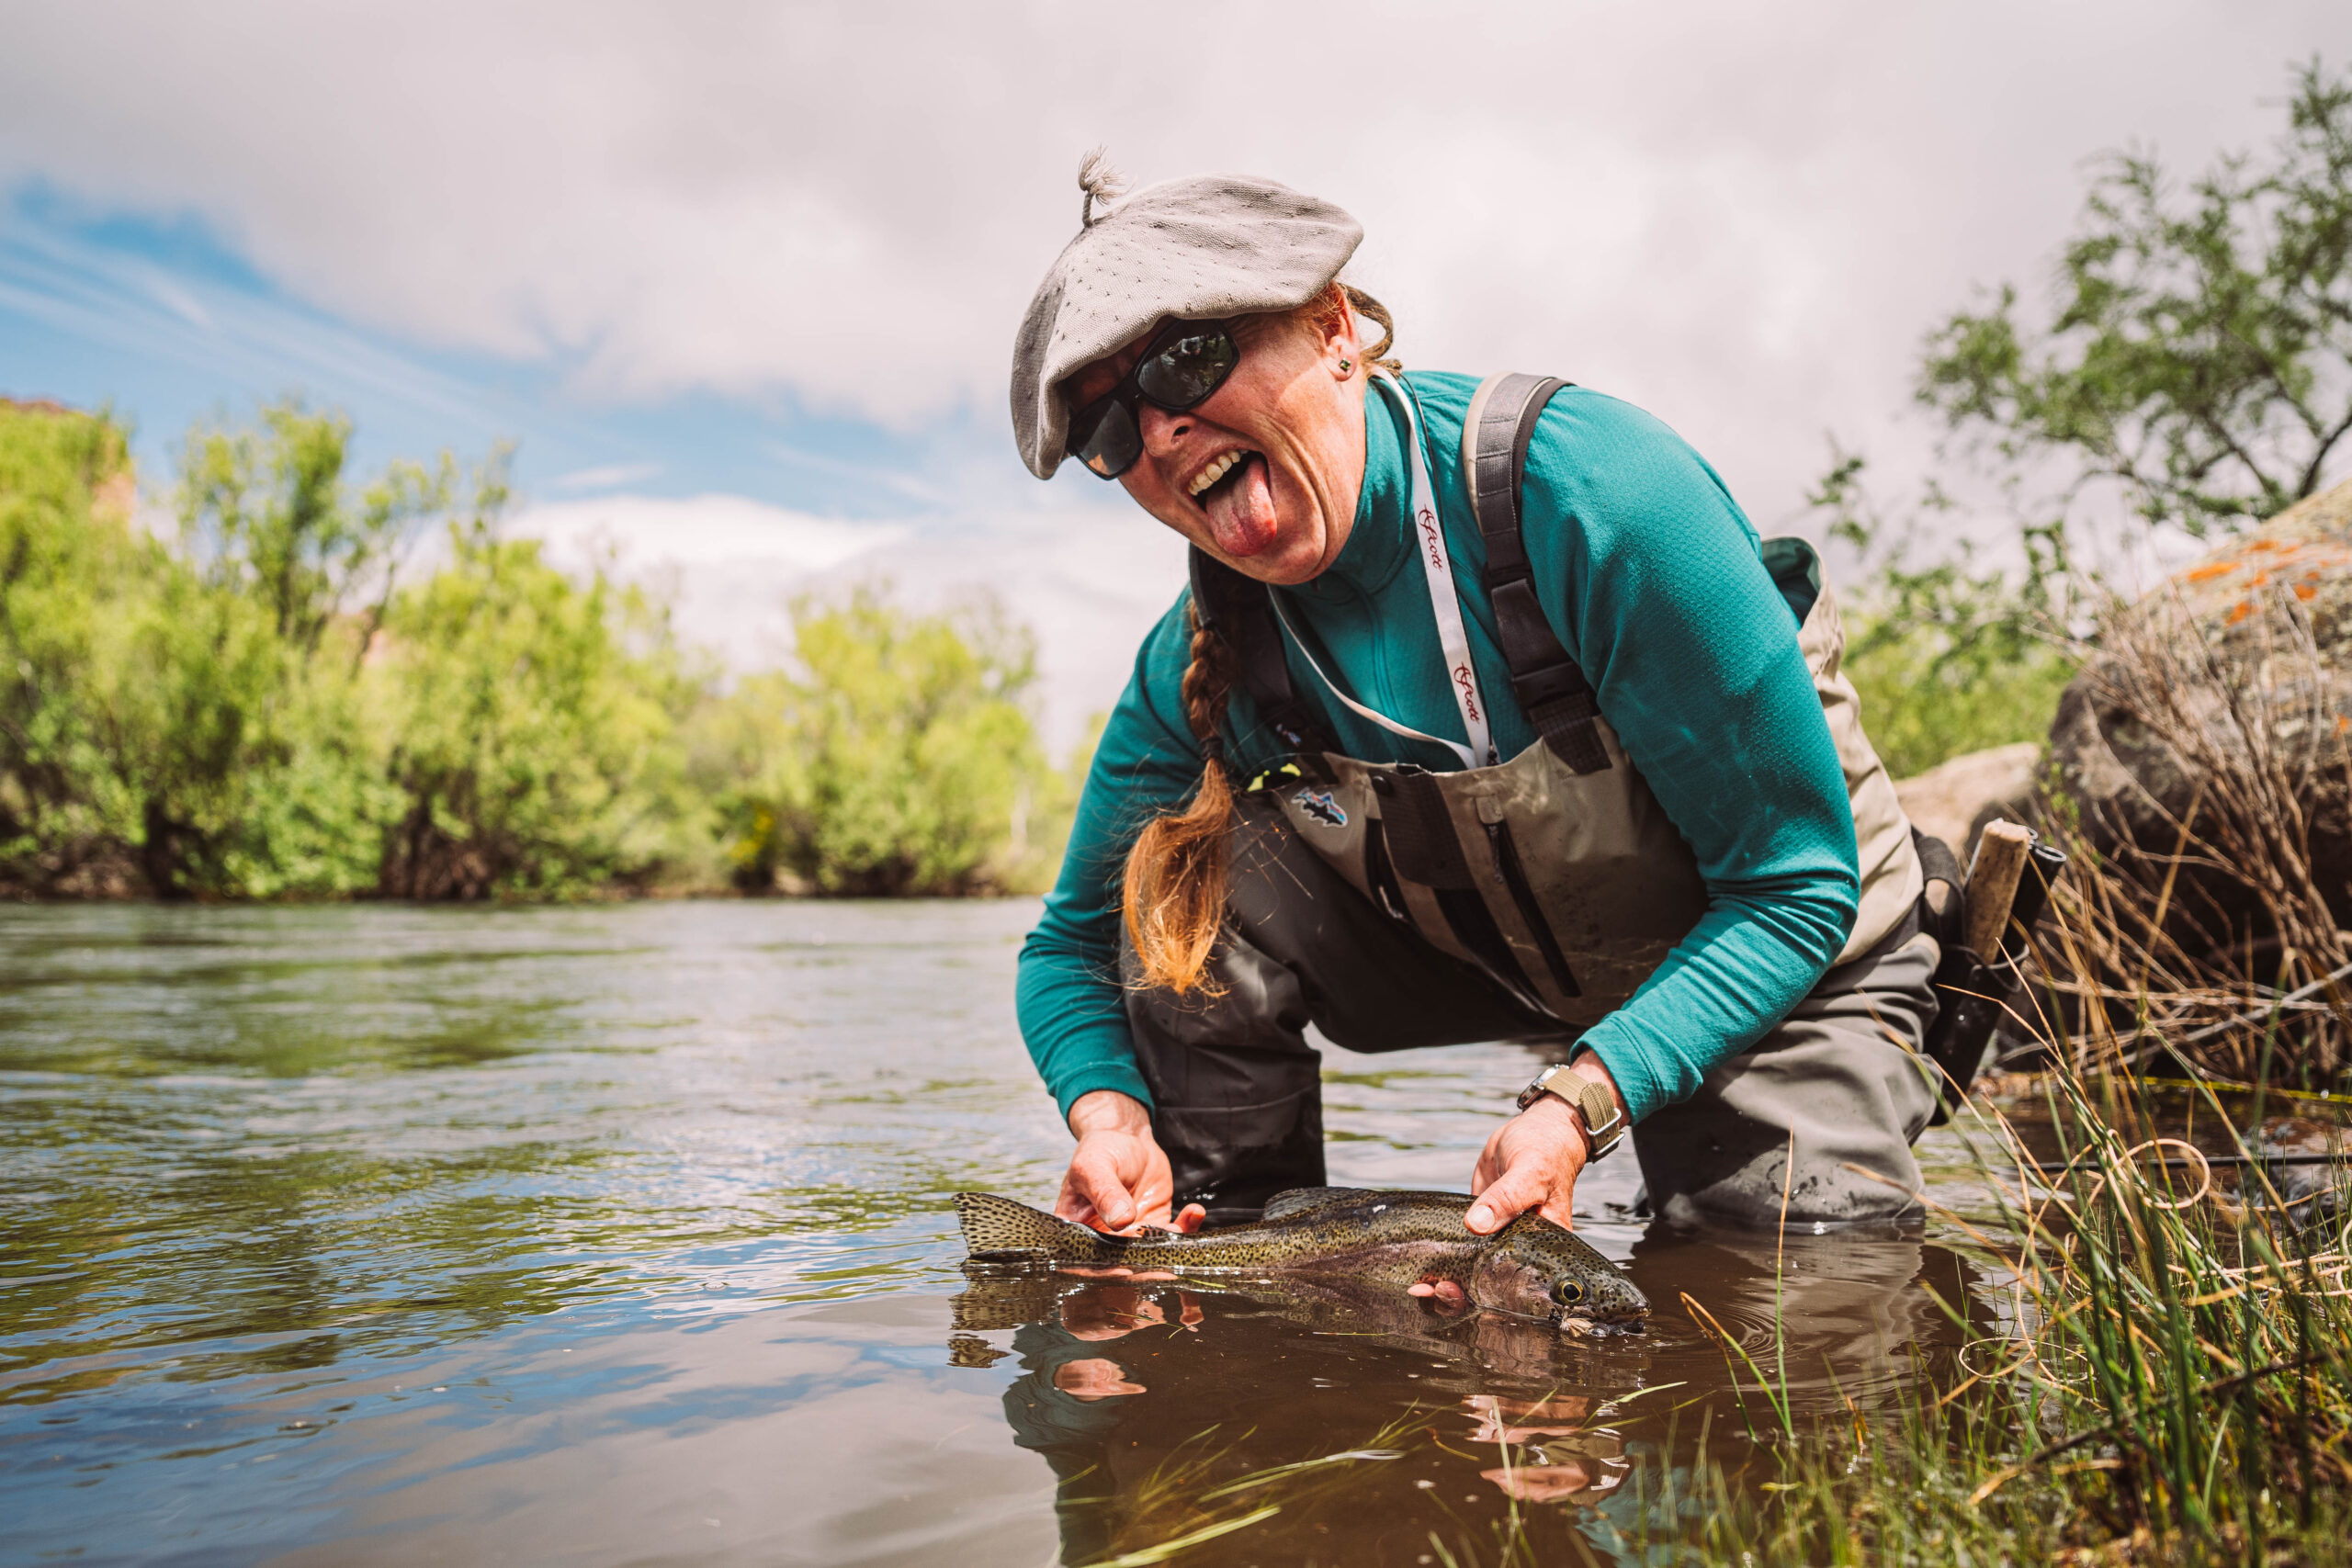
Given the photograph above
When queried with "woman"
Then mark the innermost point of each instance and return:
(1487, 716)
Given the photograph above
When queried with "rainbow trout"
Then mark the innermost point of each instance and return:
(1530, 1267)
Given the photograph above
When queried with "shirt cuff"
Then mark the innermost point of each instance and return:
(1629, 1066)
(1124, 1076)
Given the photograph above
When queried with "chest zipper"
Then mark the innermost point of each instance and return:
(1507, 861)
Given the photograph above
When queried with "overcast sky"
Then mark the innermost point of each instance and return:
(742, 279)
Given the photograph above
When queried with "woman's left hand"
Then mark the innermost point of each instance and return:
(1531, 1162)
(1534, 1159)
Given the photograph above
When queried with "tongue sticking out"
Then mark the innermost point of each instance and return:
(1242, 509)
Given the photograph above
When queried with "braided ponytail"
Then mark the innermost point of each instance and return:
(1174, 899)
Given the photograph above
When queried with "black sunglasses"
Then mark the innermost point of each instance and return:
(1185, 363)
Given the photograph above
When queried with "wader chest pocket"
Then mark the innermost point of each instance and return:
(1421, 841)
(1418, 835)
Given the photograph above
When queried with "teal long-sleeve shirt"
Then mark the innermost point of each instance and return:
(1653, 578)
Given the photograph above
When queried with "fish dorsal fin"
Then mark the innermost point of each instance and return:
(1306, 1200)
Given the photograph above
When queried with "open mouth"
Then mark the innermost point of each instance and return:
(1236, 494)
(1224, 472)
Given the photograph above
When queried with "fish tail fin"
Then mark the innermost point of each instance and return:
(998, 1227)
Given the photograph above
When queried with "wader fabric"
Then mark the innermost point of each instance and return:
(1238, 1092)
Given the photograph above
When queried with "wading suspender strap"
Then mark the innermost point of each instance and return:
(1550, 685)
(1236, 610)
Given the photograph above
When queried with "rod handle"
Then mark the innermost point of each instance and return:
(2002, 850)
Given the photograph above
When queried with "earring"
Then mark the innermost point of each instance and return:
(1346, 365)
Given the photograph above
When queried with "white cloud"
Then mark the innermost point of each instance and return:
(727, 563)
(636, 531)
(1741, 216)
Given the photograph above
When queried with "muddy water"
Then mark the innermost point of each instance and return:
(620, 1236)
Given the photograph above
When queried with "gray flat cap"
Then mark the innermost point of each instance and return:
(1207, 247)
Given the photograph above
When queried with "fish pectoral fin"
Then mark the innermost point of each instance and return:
(1306, 1200)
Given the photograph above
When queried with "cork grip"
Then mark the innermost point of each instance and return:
(2001, 854)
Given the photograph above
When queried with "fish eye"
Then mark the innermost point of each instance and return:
(1568, 1291)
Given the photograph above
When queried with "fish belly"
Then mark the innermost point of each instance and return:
(1398, 1263)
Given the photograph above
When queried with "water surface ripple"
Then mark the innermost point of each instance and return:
(619, 1234)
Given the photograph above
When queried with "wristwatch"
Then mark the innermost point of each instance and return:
(1604, 1125)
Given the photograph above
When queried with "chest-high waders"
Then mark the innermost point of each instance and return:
(1392, 907)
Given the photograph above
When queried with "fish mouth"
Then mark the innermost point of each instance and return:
(1603, 1317)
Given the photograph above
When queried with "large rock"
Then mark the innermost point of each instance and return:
(2221, 701)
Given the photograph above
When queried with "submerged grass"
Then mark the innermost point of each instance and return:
(1192, 1497)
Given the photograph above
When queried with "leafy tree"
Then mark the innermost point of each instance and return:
(2201, 352)
(71, 568)
(269, 508)
(537, 752)
(253, 765)
(897, 761)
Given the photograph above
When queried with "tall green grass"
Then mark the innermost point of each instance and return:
(2166, 1373)
(2170, 1381)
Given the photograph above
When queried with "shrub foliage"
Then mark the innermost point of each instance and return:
(261, 704)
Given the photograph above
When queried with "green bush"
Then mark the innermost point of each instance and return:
(537, 752)
(1927, 699)
(1948, 658)
(899, 759)
(261, 708)
(72, 569)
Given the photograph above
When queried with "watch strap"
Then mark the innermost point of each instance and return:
(1604, 1125)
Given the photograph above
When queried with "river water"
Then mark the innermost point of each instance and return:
(621, 1235)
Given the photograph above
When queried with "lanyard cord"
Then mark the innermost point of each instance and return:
(1469, 759)
(1445, 604)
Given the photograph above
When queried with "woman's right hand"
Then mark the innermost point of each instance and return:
(1118, 1179)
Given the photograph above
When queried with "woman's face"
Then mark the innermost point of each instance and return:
(1280, 447)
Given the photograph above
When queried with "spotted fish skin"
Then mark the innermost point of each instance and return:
(1530, 1267)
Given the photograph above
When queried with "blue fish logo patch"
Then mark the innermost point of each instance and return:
(1319, 804)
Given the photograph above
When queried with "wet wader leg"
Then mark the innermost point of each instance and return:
(1829, 1074)
(1237, 1092)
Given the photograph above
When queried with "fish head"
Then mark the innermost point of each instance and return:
(1537, 1269)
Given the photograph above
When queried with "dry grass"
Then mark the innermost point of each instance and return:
(2197, 926)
